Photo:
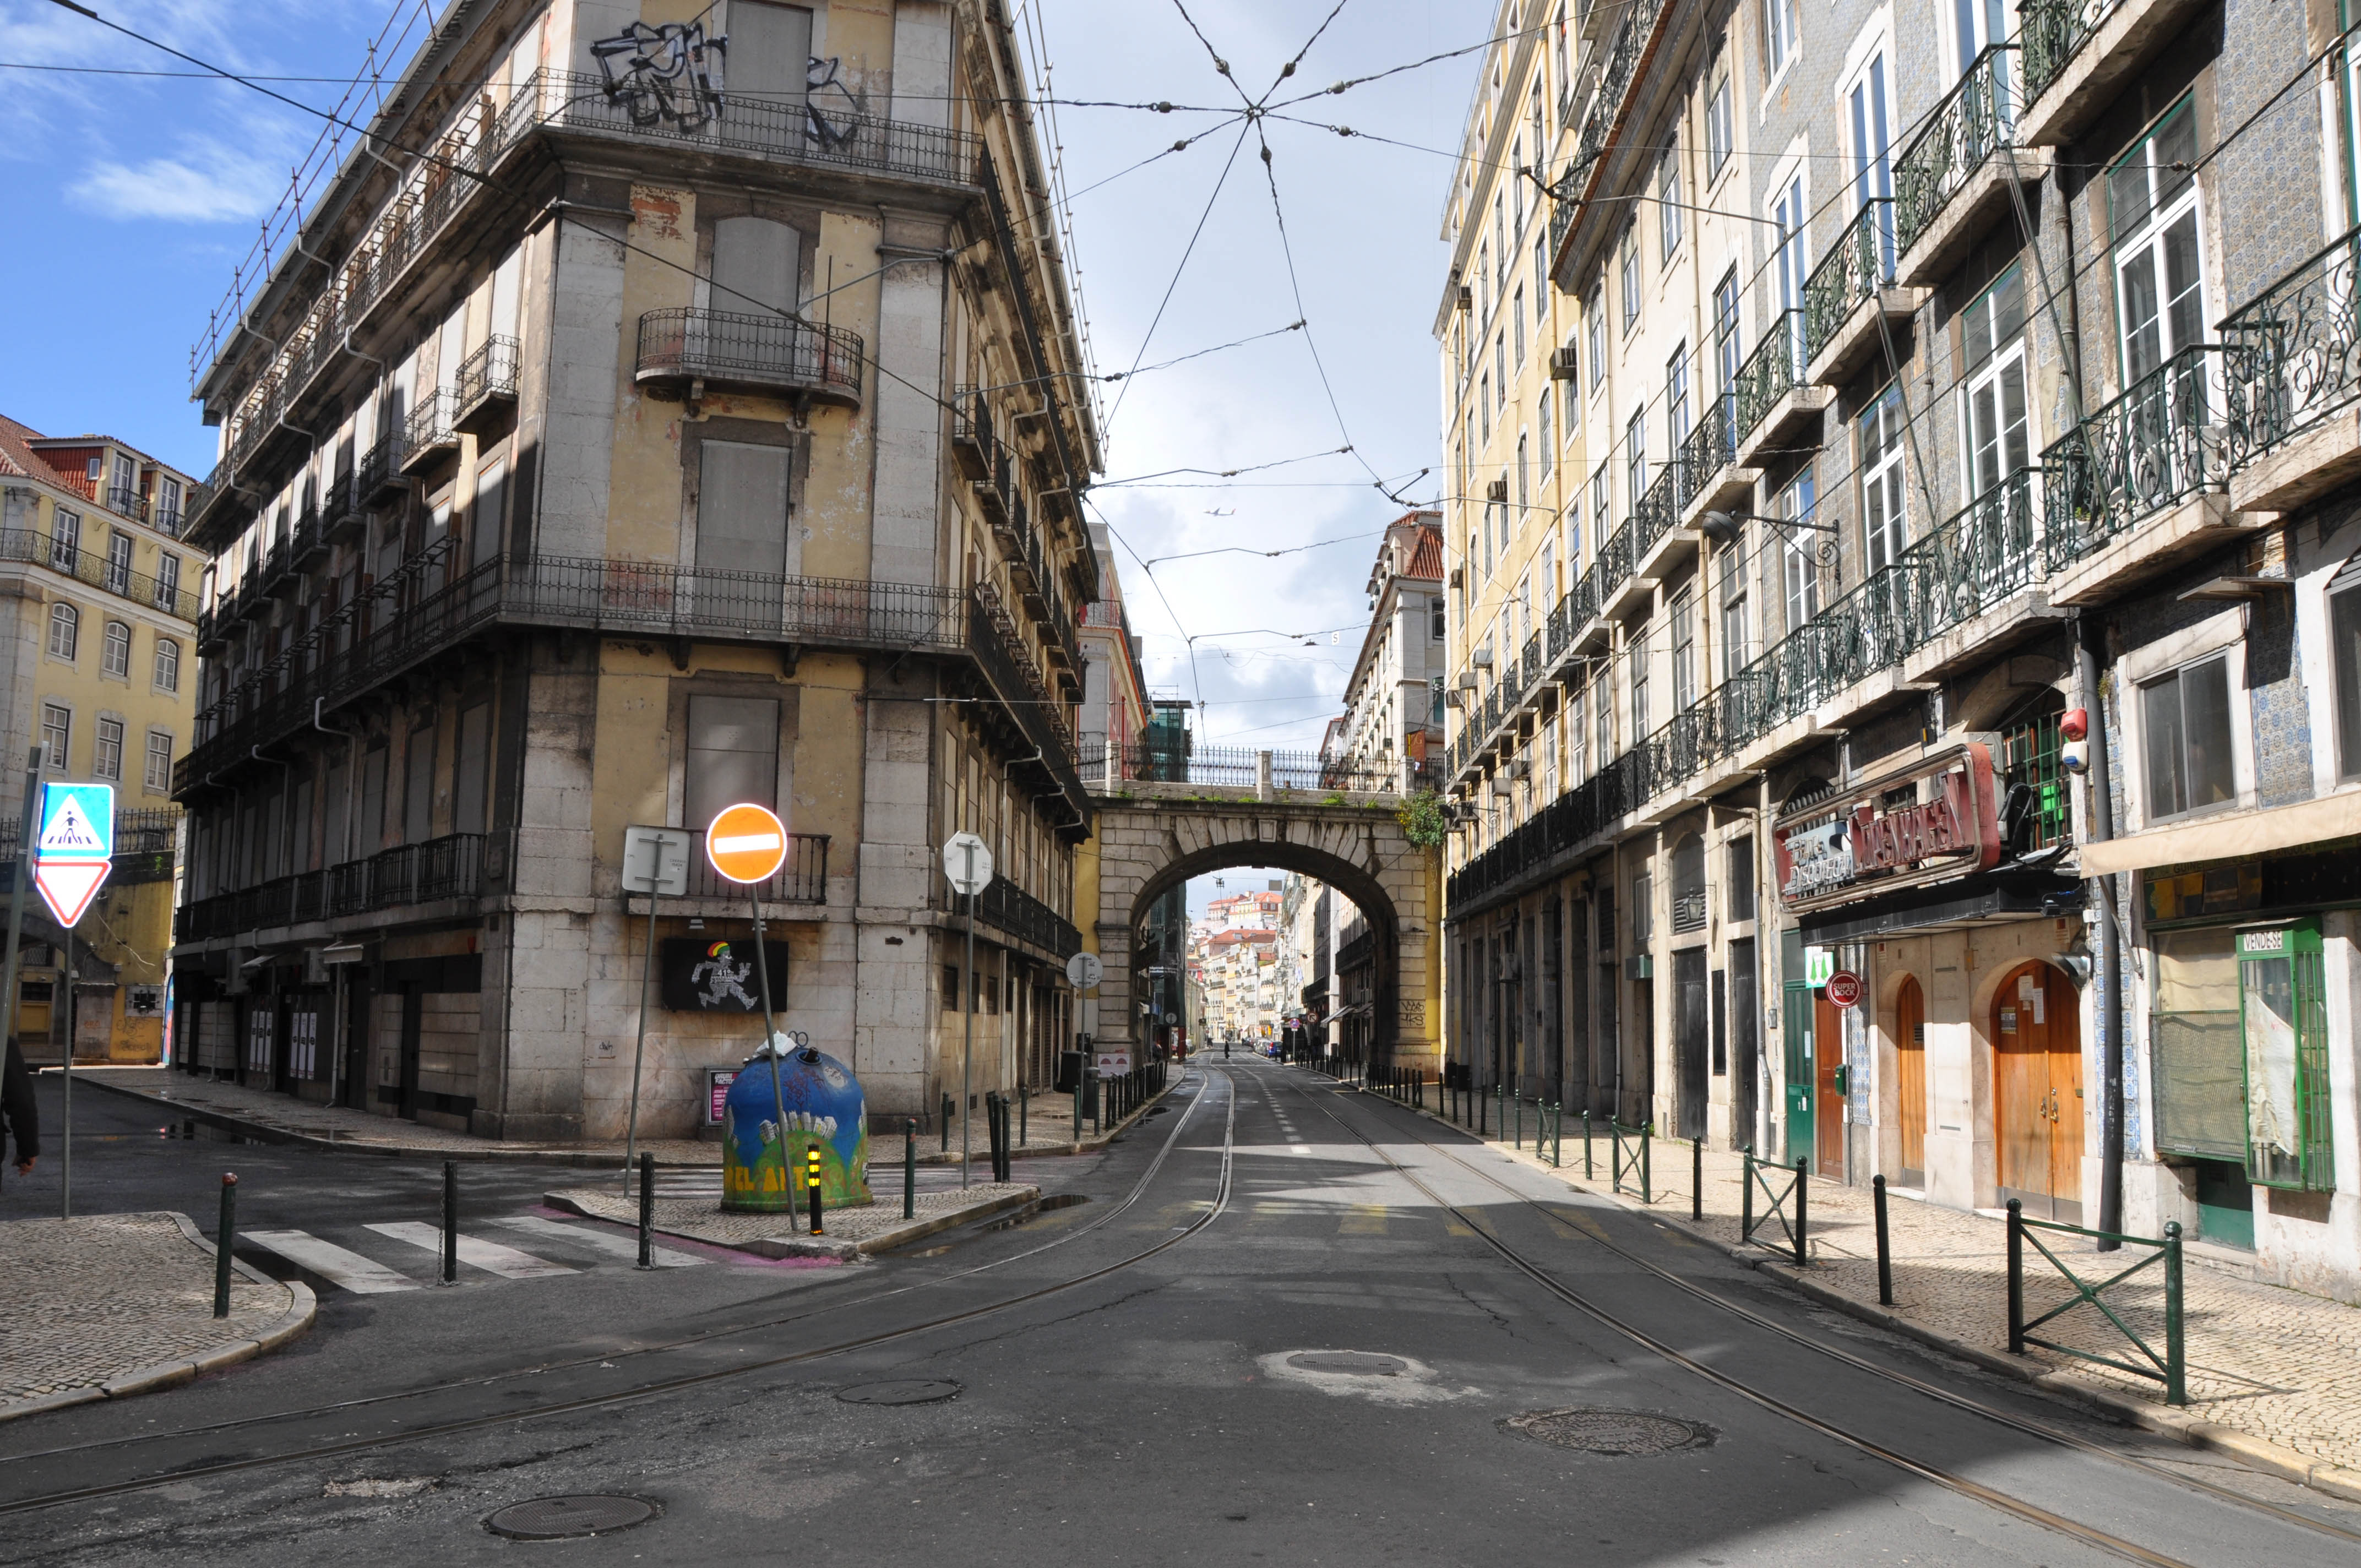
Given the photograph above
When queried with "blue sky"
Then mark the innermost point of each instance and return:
(151, 187)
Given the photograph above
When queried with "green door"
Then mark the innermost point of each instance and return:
(1797, 1028)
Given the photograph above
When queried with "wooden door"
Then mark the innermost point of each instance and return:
(1827, 1074)
(1910, 1076)
(2038, 1091)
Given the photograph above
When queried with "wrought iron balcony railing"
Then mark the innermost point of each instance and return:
(1710, 447)
(2158, 445)
(1856, 267)
(1769, 373)
(1657, 511)
(487, 376)
(2292, 354)
(2052, 32)
(100, 572)
(1971, 123)
(803, 879)
(432, 429)
(763, 353)
(429, 872)
(1007, 907)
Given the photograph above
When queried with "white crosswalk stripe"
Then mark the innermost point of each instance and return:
(477, 1252)
(350, 1270)
(606, 1242)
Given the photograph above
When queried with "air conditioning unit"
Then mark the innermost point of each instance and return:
(1562, 364)
(1521, 769)
(1458, 575)
(1481, 658)
(1467, 298)
(1466, 681)
(1502, 790)
(1451, 697)
(1496, 490)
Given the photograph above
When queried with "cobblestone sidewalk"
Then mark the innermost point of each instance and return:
(117, 1304)
(2270, 1363)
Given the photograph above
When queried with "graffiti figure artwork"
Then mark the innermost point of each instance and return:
(721, 979)
(670, 73)
(834, 112)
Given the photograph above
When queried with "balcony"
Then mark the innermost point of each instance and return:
(1851, 305)
(801, 879)
(1772, 400)
(973, 447)
(378, 481)
(1710, 476)
(486, 388)
(307, 540)
(437, 871)
(100, 572)
(2292, 367)
(1959, 170)
(1005, 907)
(2141, 483)
(2080, 54)
(430, 434)
(682, 350)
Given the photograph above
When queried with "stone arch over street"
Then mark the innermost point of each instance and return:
(1153, 837)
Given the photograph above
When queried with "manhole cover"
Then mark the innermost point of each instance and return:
(552, 1519)
(909, 1391)
(1368, 1363)
(1610, 1432)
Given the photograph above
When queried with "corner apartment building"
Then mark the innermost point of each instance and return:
(1393, 698)
(1994, 395)
(98, 646)
(642, 426)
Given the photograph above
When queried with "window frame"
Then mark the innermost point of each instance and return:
(106, 749)
(161, 677)
(66, 616)
(2221, 635)
(157, 778)
(115, 637)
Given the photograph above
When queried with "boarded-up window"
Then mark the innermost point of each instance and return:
(769, 61)
(372, 828)
(337, 812)
(471, 767)
(755, 264)
(741, 508)
(733, 755)
(491, 510)
(418, 787)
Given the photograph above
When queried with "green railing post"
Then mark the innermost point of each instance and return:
(1696, 1178)
(1521, 1121)
(1587, 1172)
(1803, 1258)
(2016, 1277)
(1647, 1165)
(1745, 1196)
(2176, 1369)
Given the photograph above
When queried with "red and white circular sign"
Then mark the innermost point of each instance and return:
(746, 843)
(1844, 988)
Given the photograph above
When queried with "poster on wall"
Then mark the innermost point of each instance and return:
(716, 974)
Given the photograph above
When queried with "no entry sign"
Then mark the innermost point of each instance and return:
(746, 843)
(1844, 988)
(75, 848)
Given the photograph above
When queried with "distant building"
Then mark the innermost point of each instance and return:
(1393, 702)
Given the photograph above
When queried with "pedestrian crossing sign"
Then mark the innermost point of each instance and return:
(75, 848)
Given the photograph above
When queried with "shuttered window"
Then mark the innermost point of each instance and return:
(741, 508)
(733, 755)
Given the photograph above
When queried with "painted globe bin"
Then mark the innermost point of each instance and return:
(825, 1110)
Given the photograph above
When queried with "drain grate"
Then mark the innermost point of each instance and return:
(1368, 1363)
(907, 1391)
(555, 1518)
(1610, 1432)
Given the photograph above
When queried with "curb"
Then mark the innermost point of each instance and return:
(302, 1309)
(793, 1246)
(2262, 1453)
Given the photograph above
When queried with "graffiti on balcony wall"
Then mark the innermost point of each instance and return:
(670, 73)
(835, 112)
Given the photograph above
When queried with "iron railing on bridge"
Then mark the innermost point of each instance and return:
(1243, 767)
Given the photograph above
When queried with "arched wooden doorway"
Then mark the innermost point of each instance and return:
(2037, 1037)
(1910, 1078)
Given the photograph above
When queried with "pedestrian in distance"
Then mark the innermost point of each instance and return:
(23, 1118)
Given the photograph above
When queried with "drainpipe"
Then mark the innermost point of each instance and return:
(2088, 631)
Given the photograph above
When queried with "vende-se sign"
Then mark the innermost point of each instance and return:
(1856, 845)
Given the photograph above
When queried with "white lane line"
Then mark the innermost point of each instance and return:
(1298, 1149)
(490, 1257)
(349, 1270)
(608, 1241)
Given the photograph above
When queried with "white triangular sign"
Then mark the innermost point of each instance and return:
(68, 886)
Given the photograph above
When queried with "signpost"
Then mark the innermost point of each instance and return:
(655, 861)
(747, 844)
(73, 854)
(967, 860)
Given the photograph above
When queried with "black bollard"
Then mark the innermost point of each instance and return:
(909, 1167)
(225, 1243)
(1803, 1258)
(1884, 1244)
(1696, 1178)
(450, 1222)
(647, 1210)
(946, 1124)
(811, 1184)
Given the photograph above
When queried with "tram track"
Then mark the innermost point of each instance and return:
(1860, 1442)
(1213, 1210)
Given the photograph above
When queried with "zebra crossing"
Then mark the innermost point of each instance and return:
(419, 1245)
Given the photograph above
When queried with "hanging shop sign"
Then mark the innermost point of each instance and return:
(706, 974)
(1932, 821)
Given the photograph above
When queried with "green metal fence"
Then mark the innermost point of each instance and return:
(1630, 1156)
(1785, 1203)
(2169, 1368)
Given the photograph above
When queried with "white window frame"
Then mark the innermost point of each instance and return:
(1990, 374)
(1885, 478)
(2224, 635)
(157, 775)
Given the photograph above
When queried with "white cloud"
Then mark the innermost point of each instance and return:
(207, 185)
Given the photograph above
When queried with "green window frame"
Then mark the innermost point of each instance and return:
(2283, 1018)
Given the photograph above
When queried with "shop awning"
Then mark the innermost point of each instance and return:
(2228, 835)
(1994, 895)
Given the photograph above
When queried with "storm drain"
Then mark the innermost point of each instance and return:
(555, 1518)
(906, 1391)
(1609, 1431)
(1366, 1364)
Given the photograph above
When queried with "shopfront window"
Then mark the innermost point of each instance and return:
(2200, 1075)
(2282, 998)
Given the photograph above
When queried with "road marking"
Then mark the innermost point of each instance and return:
(490, 1257)
(606, 1242)
(1298, 1149)
(1366, 1220)
(350, 1270)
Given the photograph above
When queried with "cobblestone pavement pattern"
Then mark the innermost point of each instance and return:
(87, 1300)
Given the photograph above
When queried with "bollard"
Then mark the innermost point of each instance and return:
(1521, 1121)
(1586, 1143)
(1745, 1195)
(811, 1185)
(1557, 1138)
(992, 1130)
(225, 1243)
(1023, 1112)
(647, 1208)
(1696, 1178)
(2176, 1365)
(1078, 1106)
(1803, 1256)
(450, 1222)
(2016, 1277)
(946, 1124)
(1647, 1167)
(189, 1128)
(909, 1167)
(1884, 1243)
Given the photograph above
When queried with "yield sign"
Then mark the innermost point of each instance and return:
(74, 851)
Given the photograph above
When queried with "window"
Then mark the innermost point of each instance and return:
(1549, 446)
(1780, 38)
(1573, 538)
(2186, 715)
(1635, 458)
(1735, 648)
(65, 541)
(1602, 714)
(1719, 139)
(1517, 323)
(1436, 618)
(1677, 401)
(742, 508)
(1791, 265)
(168, 580)
(123, 490)
(470, 770)
(118, 563)
(1725, 351)
(418, 786)
(169, 501)
(1635, 676)
(65, 629)
(1801, 577)
(2153, 219)
(1684, 651)
(1627, 268)
(1872, 167)
(57, 728)
(1599, 498)
(1668, 199)
(168, 665)
(1644, 910)
(1884, 525)
(159, 779)
(1484, 402)
(1577, 736)
(1994, 405)
(1739, 892)
(1540, 279)
(106, 753)
(115, 650)
(2345, 642)
(1499, 370)
(733, 755)
(1594, 325)
(1525, 495)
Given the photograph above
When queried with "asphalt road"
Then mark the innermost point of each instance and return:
(1139, 1378)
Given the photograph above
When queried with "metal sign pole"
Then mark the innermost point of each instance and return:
(640, 1047)
(65, 1139)
(967, 1049)
(771, 1045)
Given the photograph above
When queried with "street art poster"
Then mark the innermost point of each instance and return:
(716, 974)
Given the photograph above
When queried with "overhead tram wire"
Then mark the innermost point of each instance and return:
(1179, 268)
